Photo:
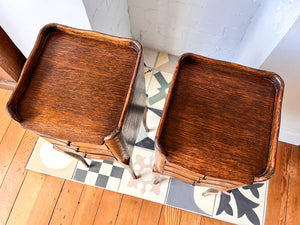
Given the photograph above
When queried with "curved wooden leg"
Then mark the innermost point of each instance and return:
(74, 155)
(210, 191)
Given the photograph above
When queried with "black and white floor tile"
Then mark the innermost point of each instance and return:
(101, 173)
(245, 205)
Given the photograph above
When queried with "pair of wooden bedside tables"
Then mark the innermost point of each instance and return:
(85, 93)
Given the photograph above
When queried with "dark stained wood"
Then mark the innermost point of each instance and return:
(11, 61)
(89, 202)
(150, 213)
(221, 121)
(67, 203)
(278, 187)
(293, 204)
(84, 87)
(129, 206)
(108, 215)
(170, 216)
(15, 175)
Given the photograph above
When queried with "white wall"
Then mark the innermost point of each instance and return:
(270, 24)
(285, 60)
(109, 16)
(22, 20)
(212, 28)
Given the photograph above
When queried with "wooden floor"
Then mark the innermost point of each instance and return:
(27, 197)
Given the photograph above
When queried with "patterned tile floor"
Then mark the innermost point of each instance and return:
(245, 205)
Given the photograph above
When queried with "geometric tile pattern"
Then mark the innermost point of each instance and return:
(101, 173)
(245, 205)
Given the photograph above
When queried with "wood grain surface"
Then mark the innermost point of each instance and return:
(221, 120)
(130, 205)
(170, 215)
(150, 213)
(84, 87)
(67, 203)
(293, 204)
(278, 187)
(88, 202)
(107, 215)
(15, 175)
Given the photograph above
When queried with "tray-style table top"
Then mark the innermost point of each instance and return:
(75, 83)
(219, 118)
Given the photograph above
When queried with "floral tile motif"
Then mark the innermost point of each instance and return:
(188, 197)
(166, 62)
(245, 205)
(143, 187)
(47, 160)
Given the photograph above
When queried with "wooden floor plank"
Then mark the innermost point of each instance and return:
(67, 203)
(210, 221)
(170, 216)
(4, 118)
(129, 210)
(278, 187)
(150, 213)
(8, 147)
(108, 209)
(188, 218)
(293, 206)
(46, 201)
(89, 203)
(15, 176)
(26, 198)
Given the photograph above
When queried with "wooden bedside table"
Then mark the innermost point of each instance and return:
(220, 124)
(84, 92)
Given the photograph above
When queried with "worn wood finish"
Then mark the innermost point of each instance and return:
(278, 187)
(8, 147)
(210, 221)
(11, 61)
(188, 218)
(50, 192)
(150, 213)
(27, 196)
(67, 203)
(89, 202)
(84, 87)
(5, 119)
(15, 175)
(130, 205)
(107, 215)
(170, 216)
(293, 204)
(220, 121)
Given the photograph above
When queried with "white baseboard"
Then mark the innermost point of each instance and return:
(289, 137)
